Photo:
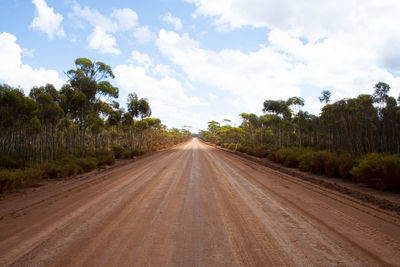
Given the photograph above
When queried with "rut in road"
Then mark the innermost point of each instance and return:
(194, 205)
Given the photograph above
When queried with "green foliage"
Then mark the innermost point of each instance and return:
(305, 161)
(12, 179)
(81, 117)
(88, 163)
(117, 151)
(345, 162)
(11, 162)
(318, 162)
(331, 165)
(378, 170)
(51, 170)
(104, 157)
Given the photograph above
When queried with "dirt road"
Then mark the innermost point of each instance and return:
(194, 205)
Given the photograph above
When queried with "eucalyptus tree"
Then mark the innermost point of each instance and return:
(90, 80)
(138, 107)
(325, 96)
(50, 113)
(381, 93)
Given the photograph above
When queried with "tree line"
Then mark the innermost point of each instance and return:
(354, 127)
(78, 120)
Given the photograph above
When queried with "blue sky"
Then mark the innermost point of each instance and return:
(198, 60)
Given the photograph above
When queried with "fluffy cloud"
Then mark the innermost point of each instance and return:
(368, 25)
(141, 59)
(46, 20)
(15, 73)
(104, 27)
(103, 42)
(174, 21)
(143, 35)
(249, 78)
(126, 18)
(308, 18)
(168, 97)
(283, 69)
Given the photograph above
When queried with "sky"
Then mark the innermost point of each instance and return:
(202, 60)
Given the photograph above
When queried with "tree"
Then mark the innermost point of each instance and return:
(381, 92)
(90, 80)
(325, 96)
(144, 108)
(138, 107)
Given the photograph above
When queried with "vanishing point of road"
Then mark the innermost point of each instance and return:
(193, 205)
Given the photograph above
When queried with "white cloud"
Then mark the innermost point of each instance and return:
(369, 25)
(102, 41)
(102, 38)
(308, 18)
(143, 34)
(27, 52)
(141, 59)
(46, 20)
(280, 70)
(167, 96)
(250, 78)
(212, 96)
(15, 73)
(174, 21)
(126, 18)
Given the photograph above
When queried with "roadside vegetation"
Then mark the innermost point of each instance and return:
(354, 138)
(57, 133)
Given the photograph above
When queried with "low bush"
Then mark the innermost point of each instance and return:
(292, 159)
(318, 162)
(331, 164)
(345, 162)
(104, 157)
(87, 164)
(127, 154)
(51, 170)
(117, 151)
(11, 179)
(11, 162)
(305, 161)
(279, 156)
(378, 170)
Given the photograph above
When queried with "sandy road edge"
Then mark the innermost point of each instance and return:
(332, 185)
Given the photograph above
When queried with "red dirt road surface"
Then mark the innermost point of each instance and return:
(194, 205)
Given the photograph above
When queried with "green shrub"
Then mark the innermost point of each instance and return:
(391, 172)
(256, 151)
(305, 161)
(87, 164)
(345, 162)
(292, 160)
(331, 164)
(104, 157)
(127, 154)
(11, 179)
(280, 155)
(51, 170)
(378, 170)
(318, 162)
(11, 162)
(71, 169)
(117, 150)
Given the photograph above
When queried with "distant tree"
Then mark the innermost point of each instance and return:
(277, 107)
(138, 107)
(325, 96)
(144, 108)
(381, 92)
